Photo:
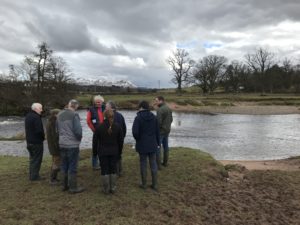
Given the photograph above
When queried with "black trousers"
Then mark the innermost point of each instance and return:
(95, 145)
(35, 160)
(108, 164)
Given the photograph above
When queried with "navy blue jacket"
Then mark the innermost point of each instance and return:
(119, 119)
(34, 128)
(145, 131)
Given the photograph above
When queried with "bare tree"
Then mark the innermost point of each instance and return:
(259, 62)
(209, 71)
(234, 76)
(44, 76)
(43, 56)
(181, 64)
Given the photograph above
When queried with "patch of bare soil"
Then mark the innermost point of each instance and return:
(248, 197)
(291, 164)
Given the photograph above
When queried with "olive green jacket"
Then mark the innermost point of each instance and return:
(52, 136)
(165, 119)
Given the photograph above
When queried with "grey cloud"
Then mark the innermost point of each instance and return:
(141, 29)
(70, 34)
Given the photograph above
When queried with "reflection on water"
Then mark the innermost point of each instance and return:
(225, 136)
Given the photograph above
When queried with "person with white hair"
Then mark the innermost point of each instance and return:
(35, 137)
(70, 135)
(94, 118)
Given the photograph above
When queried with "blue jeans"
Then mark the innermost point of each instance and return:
(152, 162)
(165, 144)
(164, 140)
(35, 160)
(69, 159)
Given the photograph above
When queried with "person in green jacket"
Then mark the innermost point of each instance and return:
(165, 119)
(52, 139)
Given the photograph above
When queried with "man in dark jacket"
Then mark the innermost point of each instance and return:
(94, 118)
(145, 131)
(34, 137)
(119, 119)
(165, 119)
(70, 135)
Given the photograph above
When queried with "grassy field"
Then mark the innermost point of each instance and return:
(194, 189)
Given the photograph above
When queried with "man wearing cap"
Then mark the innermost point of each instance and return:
(70, 135)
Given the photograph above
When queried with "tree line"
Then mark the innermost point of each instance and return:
(41, 77)
(259, 72)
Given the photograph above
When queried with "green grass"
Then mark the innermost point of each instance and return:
(193, 189)
(130, 101)
(25, 202)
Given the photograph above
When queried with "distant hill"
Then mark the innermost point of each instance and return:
(104, 82)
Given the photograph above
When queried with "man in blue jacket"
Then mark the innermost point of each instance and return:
(34, 138)
(145, 131)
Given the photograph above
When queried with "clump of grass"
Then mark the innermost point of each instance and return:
(194, 102)
(209, 103)
(181, 102)
(235, 167)
(18, 137)
(226, 104)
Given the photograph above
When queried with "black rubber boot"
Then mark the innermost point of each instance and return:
(105, 183)
(73, 185)
(158, 160)
(143, 185)
(119, 168)
(53, 177)
(166, 158)
(154, 181)
(112, 183)
(65, 182)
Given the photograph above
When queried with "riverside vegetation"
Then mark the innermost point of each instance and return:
(192, 101)
(194, 189)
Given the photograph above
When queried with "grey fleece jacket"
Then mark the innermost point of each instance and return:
(69, 129)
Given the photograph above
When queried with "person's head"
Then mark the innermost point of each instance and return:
(37, 107)
(110, 105)
(109, 115)
(54, 112)
(73, 104)
(98, 100)
(159, 100)
(144, 105)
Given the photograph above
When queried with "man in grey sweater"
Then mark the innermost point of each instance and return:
(70, 134)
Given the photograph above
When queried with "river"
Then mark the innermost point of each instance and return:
(224, 136)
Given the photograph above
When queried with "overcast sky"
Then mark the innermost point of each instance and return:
(130, 39)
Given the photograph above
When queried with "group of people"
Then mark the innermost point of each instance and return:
(64, 134)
